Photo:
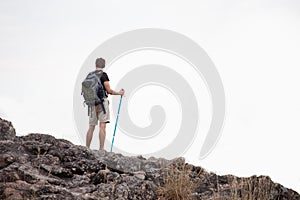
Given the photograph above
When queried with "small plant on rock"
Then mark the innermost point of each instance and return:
(177, 184)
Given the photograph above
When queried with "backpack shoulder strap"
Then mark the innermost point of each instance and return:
(99, 74)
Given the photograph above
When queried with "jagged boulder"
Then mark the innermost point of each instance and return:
(7, 131)
(38, 166)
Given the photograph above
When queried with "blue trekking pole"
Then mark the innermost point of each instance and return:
(112, 143)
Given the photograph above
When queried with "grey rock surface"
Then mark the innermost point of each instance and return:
(39, 166)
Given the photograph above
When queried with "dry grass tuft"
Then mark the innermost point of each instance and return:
(252, 188)
(178, 184)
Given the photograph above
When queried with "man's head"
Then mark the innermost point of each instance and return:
(100, 63)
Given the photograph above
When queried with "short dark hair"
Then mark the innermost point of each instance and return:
(100, 63)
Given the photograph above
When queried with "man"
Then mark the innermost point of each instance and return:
(97, 113)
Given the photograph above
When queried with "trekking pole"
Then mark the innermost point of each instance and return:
(112, 143)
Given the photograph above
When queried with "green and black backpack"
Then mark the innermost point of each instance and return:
(93, 91)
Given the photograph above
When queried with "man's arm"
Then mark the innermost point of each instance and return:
(112, 92)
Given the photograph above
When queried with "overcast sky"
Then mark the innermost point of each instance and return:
(255, 46)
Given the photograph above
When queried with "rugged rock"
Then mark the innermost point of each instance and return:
(7, 131)
(40, 166)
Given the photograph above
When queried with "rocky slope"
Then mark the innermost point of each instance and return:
(40, 166)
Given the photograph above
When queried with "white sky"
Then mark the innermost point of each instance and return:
(255, 46)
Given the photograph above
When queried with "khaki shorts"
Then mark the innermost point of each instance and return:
(98, 114)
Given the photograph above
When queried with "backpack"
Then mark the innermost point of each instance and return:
(93, 91)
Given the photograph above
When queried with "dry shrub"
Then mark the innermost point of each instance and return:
(252, 188)
(178, 184)
(256, 188)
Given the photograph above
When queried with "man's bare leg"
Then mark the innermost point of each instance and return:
(102, 134)
(89, 135)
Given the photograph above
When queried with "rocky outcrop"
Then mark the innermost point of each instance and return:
(40, 166)
(7, 131)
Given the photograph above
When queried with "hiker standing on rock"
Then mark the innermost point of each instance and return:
(99, 108)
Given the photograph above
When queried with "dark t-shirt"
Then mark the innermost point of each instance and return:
(104, 78)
